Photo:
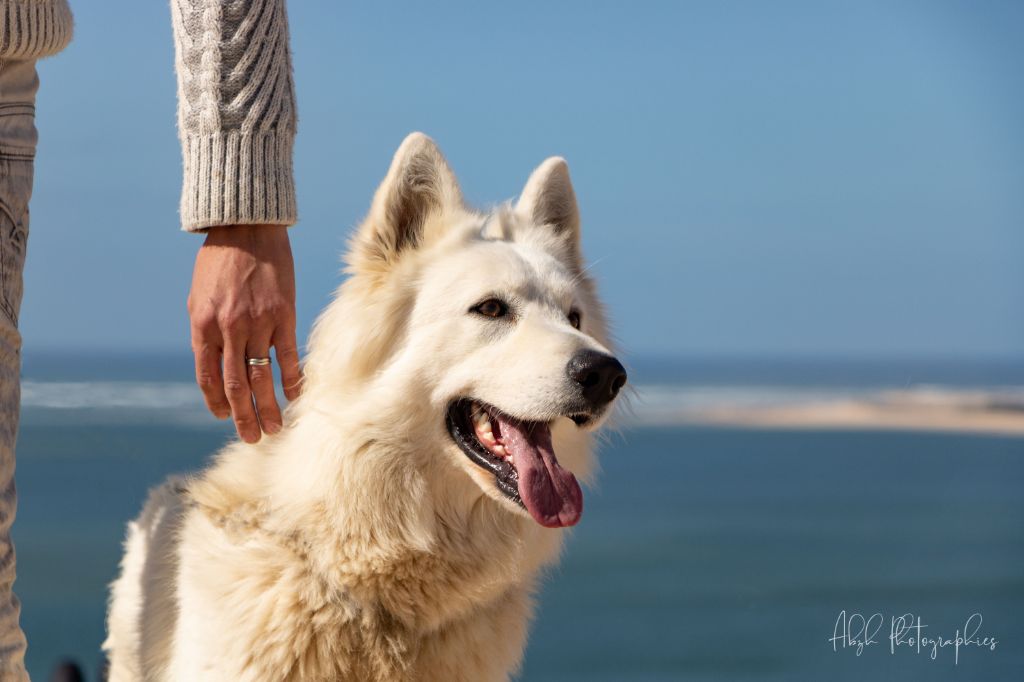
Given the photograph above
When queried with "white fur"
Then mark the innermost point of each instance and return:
(360, 543)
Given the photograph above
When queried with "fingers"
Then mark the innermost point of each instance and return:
(288, 360)
(245, 391)
(239, 394)
(261, 383)
(210, 379)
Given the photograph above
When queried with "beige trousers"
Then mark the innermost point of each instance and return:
(18, 85)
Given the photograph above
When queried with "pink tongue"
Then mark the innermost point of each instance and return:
(550, 493)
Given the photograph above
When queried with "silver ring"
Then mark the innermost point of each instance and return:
(258, 362)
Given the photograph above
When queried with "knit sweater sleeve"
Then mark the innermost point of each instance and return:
(30, 29)
(236, 112)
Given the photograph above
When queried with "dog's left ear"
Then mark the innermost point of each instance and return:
(549, 202)
(419, 185)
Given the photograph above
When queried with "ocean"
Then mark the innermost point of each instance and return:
(703, 553)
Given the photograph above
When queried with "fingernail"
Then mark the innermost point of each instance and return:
(271, 428)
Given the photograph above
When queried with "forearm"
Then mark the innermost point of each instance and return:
(236, 112)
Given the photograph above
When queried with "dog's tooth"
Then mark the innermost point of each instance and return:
(480, 418)
(488, 436)
(499, 450)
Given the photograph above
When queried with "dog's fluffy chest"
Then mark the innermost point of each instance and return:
(392, 618)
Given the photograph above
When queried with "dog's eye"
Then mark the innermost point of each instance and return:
(574, 318)
(492, 307)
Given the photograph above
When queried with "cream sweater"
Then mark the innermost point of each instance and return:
(236, 112)
(236, 101)
(30, 29)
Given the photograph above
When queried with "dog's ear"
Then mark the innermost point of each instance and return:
(418, 185)
(548, 197)
(549, 201)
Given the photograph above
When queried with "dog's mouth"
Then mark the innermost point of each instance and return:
(522, 459)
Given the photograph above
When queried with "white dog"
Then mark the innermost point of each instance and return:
(395, 528)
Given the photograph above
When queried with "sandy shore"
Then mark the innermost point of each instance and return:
(959, 411)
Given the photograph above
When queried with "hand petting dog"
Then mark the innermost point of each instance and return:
(241, 304)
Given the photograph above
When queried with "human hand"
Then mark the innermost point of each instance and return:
(242, 302)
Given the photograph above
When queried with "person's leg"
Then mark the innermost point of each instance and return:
(18, 84)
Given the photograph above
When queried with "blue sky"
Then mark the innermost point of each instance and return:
(755, 178)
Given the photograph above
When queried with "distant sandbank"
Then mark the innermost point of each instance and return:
(931, 409)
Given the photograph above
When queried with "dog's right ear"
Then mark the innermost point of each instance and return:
(418, 186)
(549, 202)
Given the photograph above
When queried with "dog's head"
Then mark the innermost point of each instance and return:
(483, 326)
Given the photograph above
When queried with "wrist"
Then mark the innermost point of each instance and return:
(246, 235)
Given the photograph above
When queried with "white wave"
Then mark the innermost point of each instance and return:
(79, 395)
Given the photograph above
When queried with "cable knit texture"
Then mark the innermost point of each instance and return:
(236, 112)
(30, 29)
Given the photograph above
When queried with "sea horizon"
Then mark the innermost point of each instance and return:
(45, 363)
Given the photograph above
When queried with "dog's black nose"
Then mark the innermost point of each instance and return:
(599, 376)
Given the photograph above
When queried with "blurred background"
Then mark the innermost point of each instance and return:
(807, 219)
